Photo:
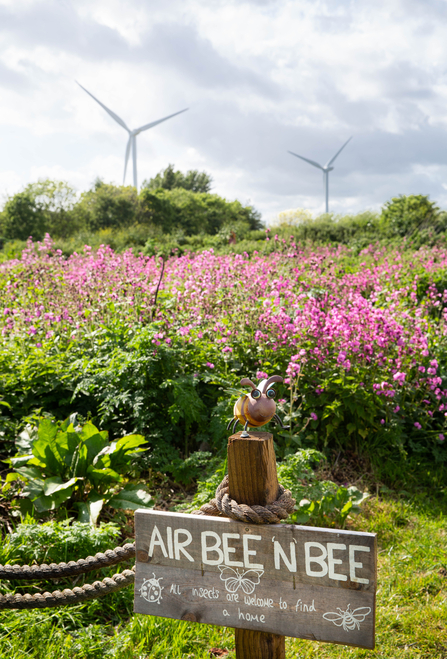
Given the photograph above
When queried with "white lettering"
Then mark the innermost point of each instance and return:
(280, 553)
(282, 605)
(331, 547)
(233, 597)
(225, 613)
(175, 589)
(206, 593)
(180, 546)
(353, 565)
(321, 559)
(250, 552)
(250, 617)
(213, 548)
(156, 539)
(227, 550)
(305, 608)
(263, 602)
(169, 537)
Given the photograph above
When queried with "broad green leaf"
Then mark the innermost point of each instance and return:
(20, 460)
(69, 422)
(121, 450)
(94, 444)
(88, 430)
(346, 508)
(31, 472)
(89, 512)
(25, 440)
(55, 484)
(132, 497)
(45, 447)
(44, 503)
(103, 476)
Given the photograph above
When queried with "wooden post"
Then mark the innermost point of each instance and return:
(253, 481)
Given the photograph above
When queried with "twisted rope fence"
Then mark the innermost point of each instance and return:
(61, 570)
(222, 505)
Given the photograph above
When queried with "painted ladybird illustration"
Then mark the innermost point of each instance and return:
(151, 589)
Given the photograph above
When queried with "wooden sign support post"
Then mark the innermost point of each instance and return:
(253, 481)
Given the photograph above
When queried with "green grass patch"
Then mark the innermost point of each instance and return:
(411, 606)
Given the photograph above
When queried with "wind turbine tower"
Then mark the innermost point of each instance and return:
(132, 141)
(326, 169)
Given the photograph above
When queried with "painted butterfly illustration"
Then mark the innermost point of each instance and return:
(348, 619)
(234, 579)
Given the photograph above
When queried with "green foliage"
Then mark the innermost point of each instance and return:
(193, 212)
(108, 206)
(61, 463)
(42, 207)
(318, 502)
(410, 216)
(360, 229)
(56, 541)
(168, 179)
(23, 217)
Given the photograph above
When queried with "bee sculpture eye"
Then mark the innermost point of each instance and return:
(271, 393)
(256, 394)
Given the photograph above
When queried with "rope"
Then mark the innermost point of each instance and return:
(272, 513)
(67, 596)
(61, 570)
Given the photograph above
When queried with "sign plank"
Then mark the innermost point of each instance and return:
(312, 583)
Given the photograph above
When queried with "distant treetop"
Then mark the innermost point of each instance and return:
(168, 179)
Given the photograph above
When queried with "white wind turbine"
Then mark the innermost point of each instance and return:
(326, 169)
(132, 141)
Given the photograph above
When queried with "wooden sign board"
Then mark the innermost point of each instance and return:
(311, 583)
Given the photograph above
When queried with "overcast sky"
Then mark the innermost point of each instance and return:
(260, 77)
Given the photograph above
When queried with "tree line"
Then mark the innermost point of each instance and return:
(169, 202)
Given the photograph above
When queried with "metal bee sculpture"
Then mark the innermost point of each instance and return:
(258, 407)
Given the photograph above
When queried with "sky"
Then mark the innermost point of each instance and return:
(260, 78)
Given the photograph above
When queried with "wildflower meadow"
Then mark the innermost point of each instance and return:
(153, 346)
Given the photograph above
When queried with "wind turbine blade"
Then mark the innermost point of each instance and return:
(112, 114)
(126, 157)
(311, 162)
(338, 153)
(159, 121)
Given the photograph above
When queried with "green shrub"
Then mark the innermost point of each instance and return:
(61, 463)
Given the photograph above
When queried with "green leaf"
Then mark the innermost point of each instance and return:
(20, 460)
(103, 476)
(55, 484)
(89, 512)
(44, 503)
(25, 440)
(45, 447)
(132, 497)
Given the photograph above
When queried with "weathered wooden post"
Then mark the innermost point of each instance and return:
(253, 481)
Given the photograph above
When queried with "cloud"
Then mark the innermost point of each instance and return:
(260, 77)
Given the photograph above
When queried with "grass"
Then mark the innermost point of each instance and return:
(411, 606)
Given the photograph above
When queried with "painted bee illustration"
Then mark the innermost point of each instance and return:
(348, 619)
(258, 407)
(151, 590)
(234, 580)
